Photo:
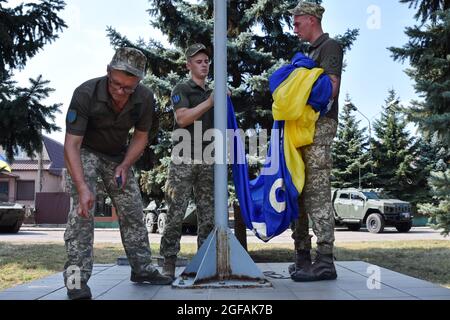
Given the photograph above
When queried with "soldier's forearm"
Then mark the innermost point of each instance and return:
(73, 161)
(185, 117)
(136, 148)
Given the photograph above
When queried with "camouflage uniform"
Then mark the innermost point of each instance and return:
(103, 148)
(315, 200)
(187, 177)
(182, 180)
(79, 234)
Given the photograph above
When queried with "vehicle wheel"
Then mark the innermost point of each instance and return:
(375, 223)
(12, 229)
(403, 227)
(354, 226)
(151, 222)
(162, 217)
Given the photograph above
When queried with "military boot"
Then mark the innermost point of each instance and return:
(302, 260)
(169, 266)
(152, 277)
(322, 269)
(83, 293)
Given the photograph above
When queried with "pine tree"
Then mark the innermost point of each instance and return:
(24, 30)
(428, 51)
(252, 55)
(393, 152)
(428, 156)
(352, 165)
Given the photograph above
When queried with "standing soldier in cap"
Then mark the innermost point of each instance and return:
(100, 116)
(315, 200)
(192, 102)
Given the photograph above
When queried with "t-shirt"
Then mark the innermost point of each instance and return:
(329, 56)
(189, 95)
(105, 131)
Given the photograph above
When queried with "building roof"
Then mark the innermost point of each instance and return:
(55, 165)
(8, 175)
(55, 151)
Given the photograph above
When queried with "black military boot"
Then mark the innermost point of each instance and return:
(302, 260)
(153, 277)
(322, 269)
(84, 293)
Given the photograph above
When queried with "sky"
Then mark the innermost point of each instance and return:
(83, 50)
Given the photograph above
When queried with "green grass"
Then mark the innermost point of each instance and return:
(427, 260)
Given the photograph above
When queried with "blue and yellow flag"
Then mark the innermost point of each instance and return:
(268, 204)
(4, 166)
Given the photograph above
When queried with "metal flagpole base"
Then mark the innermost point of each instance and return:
(237, 269)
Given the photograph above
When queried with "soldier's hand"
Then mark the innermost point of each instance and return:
(86, 202)
(120, 175)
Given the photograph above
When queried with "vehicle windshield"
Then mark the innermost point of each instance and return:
(371, 195)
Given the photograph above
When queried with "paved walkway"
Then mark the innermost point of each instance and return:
(356, 281)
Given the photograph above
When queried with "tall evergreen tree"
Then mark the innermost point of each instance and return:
(24, 30)
(428, 51)
(257, 45)
(393, 151)
(352, 164)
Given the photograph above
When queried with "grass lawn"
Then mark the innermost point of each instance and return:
(427, 260)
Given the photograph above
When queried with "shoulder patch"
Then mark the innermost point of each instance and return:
(71, 116)
(176, 99)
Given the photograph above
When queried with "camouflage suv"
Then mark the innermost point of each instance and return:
(354, 207)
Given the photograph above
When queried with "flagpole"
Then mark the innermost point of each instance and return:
(221, 262)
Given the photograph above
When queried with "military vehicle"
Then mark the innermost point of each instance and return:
(156, 217)
(354, 208)
(11, 217)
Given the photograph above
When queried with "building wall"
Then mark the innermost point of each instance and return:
(11, 188)
(50, 183)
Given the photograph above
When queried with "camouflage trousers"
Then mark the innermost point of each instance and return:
(315, 200)
(182, 181)
(79, 234)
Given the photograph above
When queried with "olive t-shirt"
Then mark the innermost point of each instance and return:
(189, 95)
(329, 55)
(104, 130)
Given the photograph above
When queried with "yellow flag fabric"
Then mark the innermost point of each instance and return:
(290, 105)
(4, 166)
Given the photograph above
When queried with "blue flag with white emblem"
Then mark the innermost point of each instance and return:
(269, 203)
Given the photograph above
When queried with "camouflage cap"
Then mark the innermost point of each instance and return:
(309, 8)
(130, 60)
(194, 49)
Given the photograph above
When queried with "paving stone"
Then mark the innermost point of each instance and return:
(324, 295)
(428, 292)
(111, 282)
(385, 292)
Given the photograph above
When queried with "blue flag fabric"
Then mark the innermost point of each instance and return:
(269, 203)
